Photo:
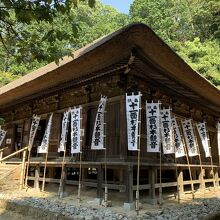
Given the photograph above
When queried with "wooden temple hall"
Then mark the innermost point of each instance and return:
(131, 60)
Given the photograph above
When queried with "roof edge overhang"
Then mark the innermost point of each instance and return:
(107, 51)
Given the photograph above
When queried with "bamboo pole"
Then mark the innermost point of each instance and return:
(80, 176)
(27, 168)
(45, 167)
(189, 167)
(22, 170)
(175, 161)
(177, 181)
(106, 187)
(160, 172)
(138, 164)
(60, 191)
(200, 161)
(80, 165)
(211, 161)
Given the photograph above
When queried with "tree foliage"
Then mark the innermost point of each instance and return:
(43, 42)
(190, 27)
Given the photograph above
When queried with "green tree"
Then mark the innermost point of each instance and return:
(202, 57)
(15, 13)
(190, 27)
(46, 42)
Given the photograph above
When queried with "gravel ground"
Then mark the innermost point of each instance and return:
(199, 208)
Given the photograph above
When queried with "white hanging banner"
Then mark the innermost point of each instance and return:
(178, 143)
(133, 103)
(2, 135)
(75, 130)
(203, 137)
(98, 131)
(43, 148)
(189, 137)
(218, 137)
(34, 126)
(63, 137)
(167, 131)
(153, 126)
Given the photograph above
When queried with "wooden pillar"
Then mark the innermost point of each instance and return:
(129, 185)
(1, 155)
(62, 183)
(99, 184)
(152, 181)
(123, 131)
(36, 179)
(180, 182)
(216, 177)
(201, 179)
(23, 170)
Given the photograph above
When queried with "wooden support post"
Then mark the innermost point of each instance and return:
(180, 182)
(212, 168)
(216, 177)
(36, 179)
(62, 181)
(129, 187)
(1, 155)
(201, 179)
(189, 168)
(44, 176)
(27, 168)
(139, 154)
(123, 129)
(152, 181)
(160, 176)
(23, 170)
(80, 176)
(99, 184)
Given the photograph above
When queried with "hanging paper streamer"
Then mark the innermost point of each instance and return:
(178, 143)
(2, 135)
(203, 137)
(34, 125)
(63, 138)
(75, 130)
(98, 131)
(218, 137)
(43, 148)
(133, 103)
(167, 131)
(189, 137)
(153, 129)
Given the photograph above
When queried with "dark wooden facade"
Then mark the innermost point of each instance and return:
(130, 60)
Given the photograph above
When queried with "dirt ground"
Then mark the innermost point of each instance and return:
(89, 194)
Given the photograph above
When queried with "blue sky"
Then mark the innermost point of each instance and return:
(121, 5)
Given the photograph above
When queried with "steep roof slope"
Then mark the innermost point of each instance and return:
(107, 51)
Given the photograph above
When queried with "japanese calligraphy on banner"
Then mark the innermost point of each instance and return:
(98, 131)
(43, 148)
(34, 125)
(167, 131)
(65, 122)
(75, 130)
(189, 137)
(218, 137)
(133, 103)
(2, 135)
(178, 143)
(203, 136)
(153, 129)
